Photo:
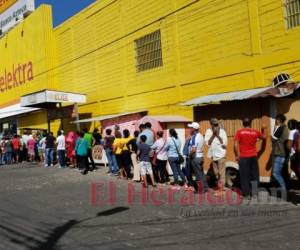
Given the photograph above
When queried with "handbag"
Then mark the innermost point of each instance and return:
(180, 157)
(154, 158)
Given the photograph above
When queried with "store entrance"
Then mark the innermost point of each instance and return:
(8, 127)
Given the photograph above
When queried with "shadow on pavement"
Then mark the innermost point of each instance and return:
(49, 240)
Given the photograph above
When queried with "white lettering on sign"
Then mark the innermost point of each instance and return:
(61, 97)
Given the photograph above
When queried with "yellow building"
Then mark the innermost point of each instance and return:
(129, 55)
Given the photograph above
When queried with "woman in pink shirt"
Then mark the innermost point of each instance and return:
(70, 147)
(30, 146)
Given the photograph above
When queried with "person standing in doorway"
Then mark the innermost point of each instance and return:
(50, 144)
(61, 149)
(279, 149)
(246, 155)
(89, 138)
(216, 140)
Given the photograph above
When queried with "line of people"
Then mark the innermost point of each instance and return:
(146, 153)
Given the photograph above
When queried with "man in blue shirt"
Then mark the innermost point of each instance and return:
(148, 132)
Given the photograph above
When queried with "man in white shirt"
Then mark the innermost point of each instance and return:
(61, 149)
(216, 140)
(196, 157)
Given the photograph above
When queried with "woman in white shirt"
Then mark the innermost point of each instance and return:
(161, 157)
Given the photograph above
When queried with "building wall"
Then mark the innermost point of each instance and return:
(27, 50)
(207, 46)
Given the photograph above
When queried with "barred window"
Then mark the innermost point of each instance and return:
(148, 52)
(292, 8)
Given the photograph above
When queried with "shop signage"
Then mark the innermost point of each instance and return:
(51, 96)
(17, 75)
(5, 4)
(11, 16)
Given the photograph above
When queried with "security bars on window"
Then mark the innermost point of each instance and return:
(292, 8)
(148, 52)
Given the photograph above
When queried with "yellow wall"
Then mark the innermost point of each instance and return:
(207, 46)
(31, 42)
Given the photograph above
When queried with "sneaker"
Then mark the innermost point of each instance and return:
(51, 165)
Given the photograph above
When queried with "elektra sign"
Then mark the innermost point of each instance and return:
(16, 76)
(15, 14)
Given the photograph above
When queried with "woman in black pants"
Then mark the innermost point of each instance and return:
(161, 157)
(126, 154)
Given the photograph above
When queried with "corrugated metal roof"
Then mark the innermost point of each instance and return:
(106, 117)
(167, 118)
(231, 96)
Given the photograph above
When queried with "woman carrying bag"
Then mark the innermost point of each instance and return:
(175, 158)
(160, 157)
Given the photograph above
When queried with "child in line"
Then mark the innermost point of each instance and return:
(145, 163)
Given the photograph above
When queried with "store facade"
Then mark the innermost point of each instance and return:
(150, 55)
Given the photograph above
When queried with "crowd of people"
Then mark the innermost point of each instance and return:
(143, 156)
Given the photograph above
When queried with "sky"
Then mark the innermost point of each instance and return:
(63, 9)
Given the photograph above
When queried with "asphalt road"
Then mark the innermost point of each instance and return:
(50, 208)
